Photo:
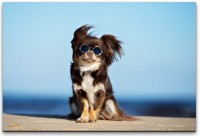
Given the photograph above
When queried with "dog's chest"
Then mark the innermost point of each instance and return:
(87, 85)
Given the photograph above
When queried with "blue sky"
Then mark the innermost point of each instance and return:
(159, 41)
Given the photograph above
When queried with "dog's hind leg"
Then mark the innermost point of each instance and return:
(111, 111)
(75, 109)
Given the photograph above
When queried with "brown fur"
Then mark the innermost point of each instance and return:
(111, 47)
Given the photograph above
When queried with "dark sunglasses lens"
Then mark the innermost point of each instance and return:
(84, 48)
(97, 50)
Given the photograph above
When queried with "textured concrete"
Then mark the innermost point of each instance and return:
(27, 123)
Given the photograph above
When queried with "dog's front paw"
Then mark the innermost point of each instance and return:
(82, 119)
(92, 119)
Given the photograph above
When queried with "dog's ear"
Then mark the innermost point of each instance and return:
(80, 34)
(113, 46)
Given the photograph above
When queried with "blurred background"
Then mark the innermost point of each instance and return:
(155, 77)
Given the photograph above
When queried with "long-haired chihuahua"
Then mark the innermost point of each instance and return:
(92, 90)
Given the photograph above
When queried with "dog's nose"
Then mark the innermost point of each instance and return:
(90, 54)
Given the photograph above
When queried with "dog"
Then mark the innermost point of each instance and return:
(93, 97)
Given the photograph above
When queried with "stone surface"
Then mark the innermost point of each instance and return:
(146, 123)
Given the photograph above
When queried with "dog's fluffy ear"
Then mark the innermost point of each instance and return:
(79, 34)
(113, 46)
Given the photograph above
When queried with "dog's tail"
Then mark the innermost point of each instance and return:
(120, 116)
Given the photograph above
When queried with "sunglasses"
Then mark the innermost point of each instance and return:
(85, 48)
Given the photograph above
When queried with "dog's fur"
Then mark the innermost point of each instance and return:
(92, 90)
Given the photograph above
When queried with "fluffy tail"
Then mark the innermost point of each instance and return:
(121, 116)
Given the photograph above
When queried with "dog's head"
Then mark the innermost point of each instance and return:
(89, 52)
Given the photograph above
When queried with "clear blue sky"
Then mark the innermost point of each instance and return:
(159, 41)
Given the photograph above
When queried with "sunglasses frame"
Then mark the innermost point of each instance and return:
(90, 48)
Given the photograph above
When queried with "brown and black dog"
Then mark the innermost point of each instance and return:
(92, 90)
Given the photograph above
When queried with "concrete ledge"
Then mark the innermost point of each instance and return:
(27, 123)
